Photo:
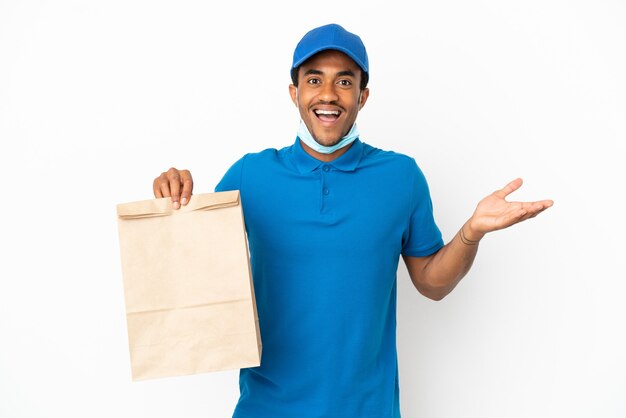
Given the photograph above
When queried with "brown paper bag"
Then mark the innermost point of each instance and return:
(190, 304)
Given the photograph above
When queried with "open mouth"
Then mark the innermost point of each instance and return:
(327, 115)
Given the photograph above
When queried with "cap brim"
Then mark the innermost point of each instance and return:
(326, 48)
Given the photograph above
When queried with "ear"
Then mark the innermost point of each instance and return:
(293, 92)
(365, 93)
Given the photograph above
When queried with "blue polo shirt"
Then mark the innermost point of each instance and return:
(325, 241)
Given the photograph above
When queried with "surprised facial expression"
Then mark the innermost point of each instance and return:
(328, 95)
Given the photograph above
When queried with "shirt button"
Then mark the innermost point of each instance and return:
(326, 191)
(326, 169)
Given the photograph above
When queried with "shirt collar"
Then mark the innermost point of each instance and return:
(348, 161)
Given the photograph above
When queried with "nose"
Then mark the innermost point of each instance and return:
(328, 93)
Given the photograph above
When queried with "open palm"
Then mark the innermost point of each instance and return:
(495, 212)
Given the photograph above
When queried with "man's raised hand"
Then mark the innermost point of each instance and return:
(494, 212)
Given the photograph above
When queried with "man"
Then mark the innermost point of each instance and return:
(327, 220)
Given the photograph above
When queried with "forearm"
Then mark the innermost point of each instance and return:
(435, 276)
(440, 274)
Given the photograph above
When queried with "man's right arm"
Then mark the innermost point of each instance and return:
(176, 184)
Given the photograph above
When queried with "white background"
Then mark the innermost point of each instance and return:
(97, 98)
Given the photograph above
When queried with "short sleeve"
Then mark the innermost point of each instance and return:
(232, 178)
(422, 236)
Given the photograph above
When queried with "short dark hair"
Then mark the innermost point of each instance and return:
(364, 78)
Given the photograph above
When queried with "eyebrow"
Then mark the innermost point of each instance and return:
(339, 74)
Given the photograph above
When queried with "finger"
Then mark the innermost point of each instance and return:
(175, 188)
(156, 188)
(187, 182)
(537, 213)
(509, 188)
(533, 206)
(164, 185)
(534, 209)
(521, 211)
(528, 215)
(546, 203)
(542, 205)
(173, 177)
(165, 189)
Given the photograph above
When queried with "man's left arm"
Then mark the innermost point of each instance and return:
(438, 274)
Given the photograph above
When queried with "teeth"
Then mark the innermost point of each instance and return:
(327, 112)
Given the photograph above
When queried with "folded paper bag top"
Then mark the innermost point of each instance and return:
(190, 304)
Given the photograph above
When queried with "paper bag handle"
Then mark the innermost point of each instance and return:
(163, 206)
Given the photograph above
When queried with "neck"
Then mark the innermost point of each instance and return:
(324, 157)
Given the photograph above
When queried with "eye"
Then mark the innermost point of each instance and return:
(345, 83)
(313, 81)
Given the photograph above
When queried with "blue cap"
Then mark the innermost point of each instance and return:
(334, 37)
